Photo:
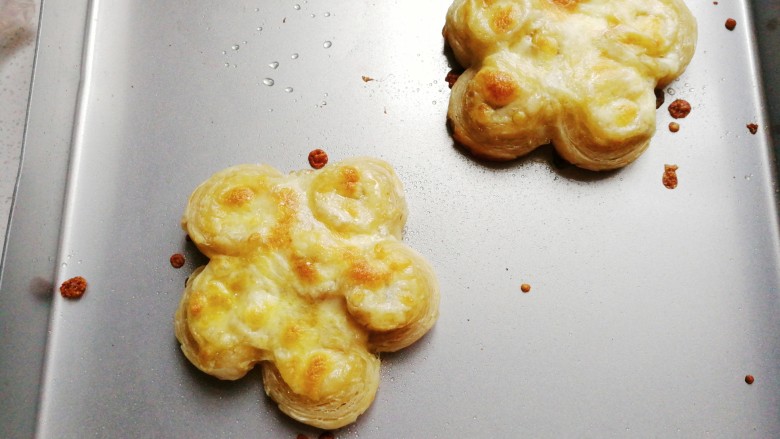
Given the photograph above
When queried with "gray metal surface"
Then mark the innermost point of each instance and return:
(648, 306)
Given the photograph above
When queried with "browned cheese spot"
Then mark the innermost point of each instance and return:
(500, 87)
(315, 373)
(238, 196)
(503, 20)
(565, 3)
(288, 206)
(305, 270)
(292, 334)
(197, 303)
(349, 180)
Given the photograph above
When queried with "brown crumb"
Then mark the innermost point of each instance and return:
(679, 108)
(731, 24)
(451, 77)
(327, 435)
(73, 288)
(301, 436)
(367, 78)
(177, 260)
(318, 158)
(749, 379)
(659, 97)
(525, 288)
(674, 127)
(670, 176)
(714, 3)
(753, 128)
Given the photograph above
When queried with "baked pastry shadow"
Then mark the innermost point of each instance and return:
(214, 388)
(544, 154)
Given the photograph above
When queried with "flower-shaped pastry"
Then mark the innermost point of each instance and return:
(577, 73)
(308, 277)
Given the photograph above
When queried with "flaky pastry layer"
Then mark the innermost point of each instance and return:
(579, 74)
(308, 277)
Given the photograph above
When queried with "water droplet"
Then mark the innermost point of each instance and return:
(270, 110)
(268, 81)
(224, 52)
(257, 9)
(434, 102)
(274, 64)
(288, 89)
(227, 64)
(327, 44)
(294, 56)
(259, 28)
(327, 14)
(243, 42)
(670, 91)
(235, 47)
(323, 103)
(297, 7)
(312, 15)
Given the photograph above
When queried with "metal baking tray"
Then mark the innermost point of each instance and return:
(648, 306)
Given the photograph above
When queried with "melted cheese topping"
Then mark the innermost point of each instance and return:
(307, 275)
(577, 73)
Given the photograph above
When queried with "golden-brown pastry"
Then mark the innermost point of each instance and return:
(307, 277)
(577, 73)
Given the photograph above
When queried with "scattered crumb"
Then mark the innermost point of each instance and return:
(731, 24)
(367, 78)
(73, 288)
(749, 379)
(679, 109)
(714, 3)
(674, 127)
(451, 77)
(670, 176)
(318, 158)
(525, 288)
(284, 20)
(753, 128)
(659, 97)
(177, 260)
